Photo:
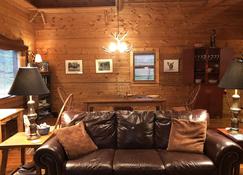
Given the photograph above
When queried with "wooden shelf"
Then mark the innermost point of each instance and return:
(46, 98)
(200, 65)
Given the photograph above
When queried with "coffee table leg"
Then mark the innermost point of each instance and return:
(4, 161)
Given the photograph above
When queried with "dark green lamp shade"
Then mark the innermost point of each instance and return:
(28, 81)
(233, 77)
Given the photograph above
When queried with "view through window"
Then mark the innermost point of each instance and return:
(8, 70)
(144, 67)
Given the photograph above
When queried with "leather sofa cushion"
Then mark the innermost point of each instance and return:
(180, 163)
(137, 162)
(75, 141)
(100, 125)
(161, 129)
(135, 129)
(96, 163)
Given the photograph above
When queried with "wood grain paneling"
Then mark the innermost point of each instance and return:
(170, 26)
(15, 25)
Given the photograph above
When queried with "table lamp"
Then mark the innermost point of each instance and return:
(233, 79)
(28, 82)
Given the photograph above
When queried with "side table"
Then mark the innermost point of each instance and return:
(9, 114)
(236, 137)
(19, 140)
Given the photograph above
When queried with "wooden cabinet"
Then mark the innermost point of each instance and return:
(44, 101)
(207, 66)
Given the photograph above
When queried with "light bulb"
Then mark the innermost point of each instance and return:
(112, 47)
(122, 47)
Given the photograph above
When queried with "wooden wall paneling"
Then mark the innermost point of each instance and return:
(188, 66)
(225, 60)
(169, 26)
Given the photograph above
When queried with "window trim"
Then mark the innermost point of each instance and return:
(9, 44)
(154, 51)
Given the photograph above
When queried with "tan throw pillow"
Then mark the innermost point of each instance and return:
(187, 136)
(75, 140)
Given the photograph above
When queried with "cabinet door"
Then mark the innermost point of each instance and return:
(226, 56)
(188, 66)
(210, 98)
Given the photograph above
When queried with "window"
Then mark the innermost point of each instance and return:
(145, 66)
(8, 70)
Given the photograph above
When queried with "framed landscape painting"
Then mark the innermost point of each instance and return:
(74, 66)
(104, 66)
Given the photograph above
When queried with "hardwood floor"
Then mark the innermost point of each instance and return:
(14, 155)
(14, 159)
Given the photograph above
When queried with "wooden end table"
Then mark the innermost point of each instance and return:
(233, 135)
(9, 114)
(19, 140)
(236, 137)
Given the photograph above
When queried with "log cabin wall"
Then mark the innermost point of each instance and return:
(80, 34)
(14, 24)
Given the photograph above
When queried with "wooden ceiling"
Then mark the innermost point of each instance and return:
(70, 3)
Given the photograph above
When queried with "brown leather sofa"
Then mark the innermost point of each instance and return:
(134, 143)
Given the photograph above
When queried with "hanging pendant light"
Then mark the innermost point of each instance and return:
(118, 45)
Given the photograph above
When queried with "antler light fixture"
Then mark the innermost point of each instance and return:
(119, 45)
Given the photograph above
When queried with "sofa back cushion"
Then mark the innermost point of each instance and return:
(162, 127)
(135, 129)
(101, 127)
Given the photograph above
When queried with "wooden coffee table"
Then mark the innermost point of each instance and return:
(19, 140)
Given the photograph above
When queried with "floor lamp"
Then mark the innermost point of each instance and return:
(233, 79)
(28, 82)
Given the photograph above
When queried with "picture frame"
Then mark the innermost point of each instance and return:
(171, 65)
(104, 66)
(74, 66)
(44, 66)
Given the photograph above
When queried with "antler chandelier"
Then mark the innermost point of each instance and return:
(119, 45)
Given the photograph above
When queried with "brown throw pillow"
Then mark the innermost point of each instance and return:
(187, 136)
(75, 140)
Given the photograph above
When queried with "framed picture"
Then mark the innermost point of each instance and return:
(171, 65)
(44, 66)
(104, 66)
(74, 66)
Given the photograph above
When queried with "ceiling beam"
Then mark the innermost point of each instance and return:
(71, 3)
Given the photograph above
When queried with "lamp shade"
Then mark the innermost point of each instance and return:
(28, 81)
(38, 58)
(233, 77)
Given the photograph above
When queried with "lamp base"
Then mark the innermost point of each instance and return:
(32, 116)
(235, 110)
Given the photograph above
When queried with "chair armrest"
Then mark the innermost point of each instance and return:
(51, 157)
(225, 153)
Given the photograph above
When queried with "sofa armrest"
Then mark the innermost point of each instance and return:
(51, 157)
(224, 152)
